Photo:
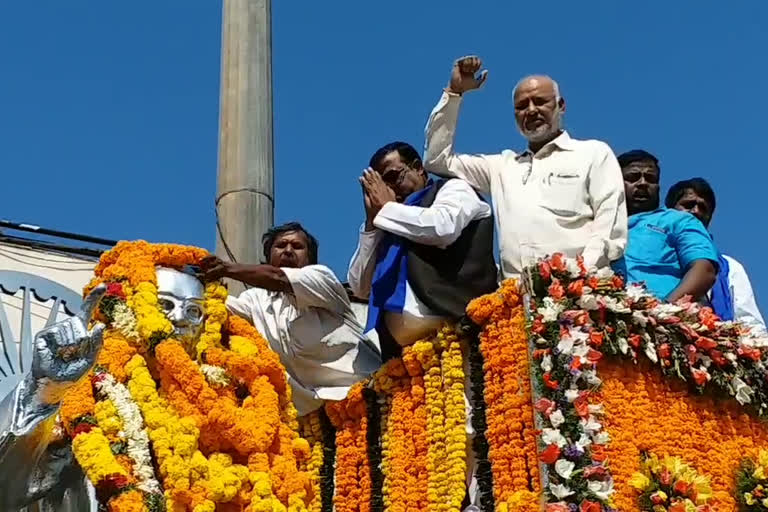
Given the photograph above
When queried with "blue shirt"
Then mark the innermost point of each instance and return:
(662, 244)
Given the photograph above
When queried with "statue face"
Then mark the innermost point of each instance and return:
(180, 297)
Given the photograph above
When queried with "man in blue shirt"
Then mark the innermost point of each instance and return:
(669, 250)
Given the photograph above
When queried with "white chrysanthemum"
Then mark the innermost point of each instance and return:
(546, 363)
(571, 394)
(136, 435)
(215, 375)
(560, 491)
(603, 489)
(588, 301)
(557, 418)
(552, 436)
(550, 310)
(742, 391)
(572, 266)
(564, 468)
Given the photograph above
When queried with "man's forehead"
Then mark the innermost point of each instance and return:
(535, 85)
(641, 165)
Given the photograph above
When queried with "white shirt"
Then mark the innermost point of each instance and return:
(315, 333)
(441, 224)
(744, 305)
(568, 197)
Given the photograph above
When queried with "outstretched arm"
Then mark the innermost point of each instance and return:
(34, 458)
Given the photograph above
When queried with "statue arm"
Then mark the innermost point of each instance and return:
(34, 457)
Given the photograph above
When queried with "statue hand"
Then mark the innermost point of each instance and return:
(67, 350)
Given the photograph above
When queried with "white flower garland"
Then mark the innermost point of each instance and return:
(136, 435)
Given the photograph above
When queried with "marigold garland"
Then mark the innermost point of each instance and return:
(511, 429)
(221, 424)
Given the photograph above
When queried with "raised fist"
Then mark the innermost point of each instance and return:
(67, 350)
(464, 76)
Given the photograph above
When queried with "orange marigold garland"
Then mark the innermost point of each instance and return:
(510, 424)
(217, 407)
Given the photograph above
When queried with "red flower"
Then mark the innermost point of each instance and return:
(589, 506)
(581, 404)
(541, 352)
(658, 499)
(556, 290)
(576, 363)
(718, 358)
(110, 485)
(596, 338)
(617, 282)
(593, 282)
(708, 318)
(749, 352)
(682, 488)
(699, 376)
(597, 471)
(576, 288)
(544, 406)
(545, 271)
(558, 262)
(551, 384)
(705, 343)
(550, 454)
(557, 507)
(538, 326)
(664, 351)
(692, 353)
(115, 290)
(580, 263)
(593, 356)
(635, 340)
(82, 428)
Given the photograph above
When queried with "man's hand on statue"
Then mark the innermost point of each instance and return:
(464, 76)
(214, 268)
(66, 351)
(377, 193)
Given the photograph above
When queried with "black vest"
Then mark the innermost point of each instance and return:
(445, 280)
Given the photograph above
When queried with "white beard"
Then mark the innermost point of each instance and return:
(544, 131)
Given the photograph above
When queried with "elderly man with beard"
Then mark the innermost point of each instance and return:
(560, 195)
(669, 250)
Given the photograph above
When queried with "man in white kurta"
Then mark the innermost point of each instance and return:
(303, 311)
(559, 195)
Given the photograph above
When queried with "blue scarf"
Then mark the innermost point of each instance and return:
(722, 300)
(389, 277)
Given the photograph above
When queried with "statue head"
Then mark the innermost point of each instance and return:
(180, 297)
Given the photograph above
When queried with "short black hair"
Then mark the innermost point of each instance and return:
(637, 155)
(407, 153)
(268, 240)
(699, 185)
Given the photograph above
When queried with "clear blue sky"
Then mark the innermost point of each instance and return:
(109, 110)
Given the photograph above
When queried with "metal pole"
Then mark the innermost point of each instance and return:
(245, 199)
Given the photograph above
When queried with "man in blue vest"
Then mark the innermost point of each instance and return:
(425, 250)
(669, 250)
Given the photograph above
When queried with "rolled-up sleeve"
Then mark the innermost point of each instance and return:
(692, 242)
(439, 157)
(609, 227)
(317, 286)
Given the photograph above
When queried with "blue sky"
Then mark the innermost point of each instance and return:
(109, 110)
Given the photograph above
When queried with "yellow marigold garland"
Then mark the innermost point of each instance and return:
(174, 414)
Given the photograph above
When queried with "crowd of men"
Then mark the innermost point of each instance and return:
(426, 246)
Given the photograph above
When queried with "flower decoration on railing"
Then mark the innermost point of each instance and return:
(752, 484)
(670, 485)
(576, 318)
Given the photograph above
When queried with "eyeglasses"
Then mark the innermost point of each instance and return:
(394, 176)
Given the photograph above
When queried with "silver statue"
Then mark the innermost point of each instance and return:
(38, 472)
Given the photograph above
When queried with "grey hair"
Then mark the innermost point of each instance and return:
(555, 85)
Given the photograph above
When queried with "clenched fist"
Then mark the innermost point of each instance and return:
(464, 76)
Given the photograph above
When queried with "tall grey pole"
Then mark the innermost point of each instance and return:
(245, 199)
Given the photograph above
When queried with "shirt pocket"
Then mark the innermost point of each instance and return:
(651, 247)
(562, 193)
